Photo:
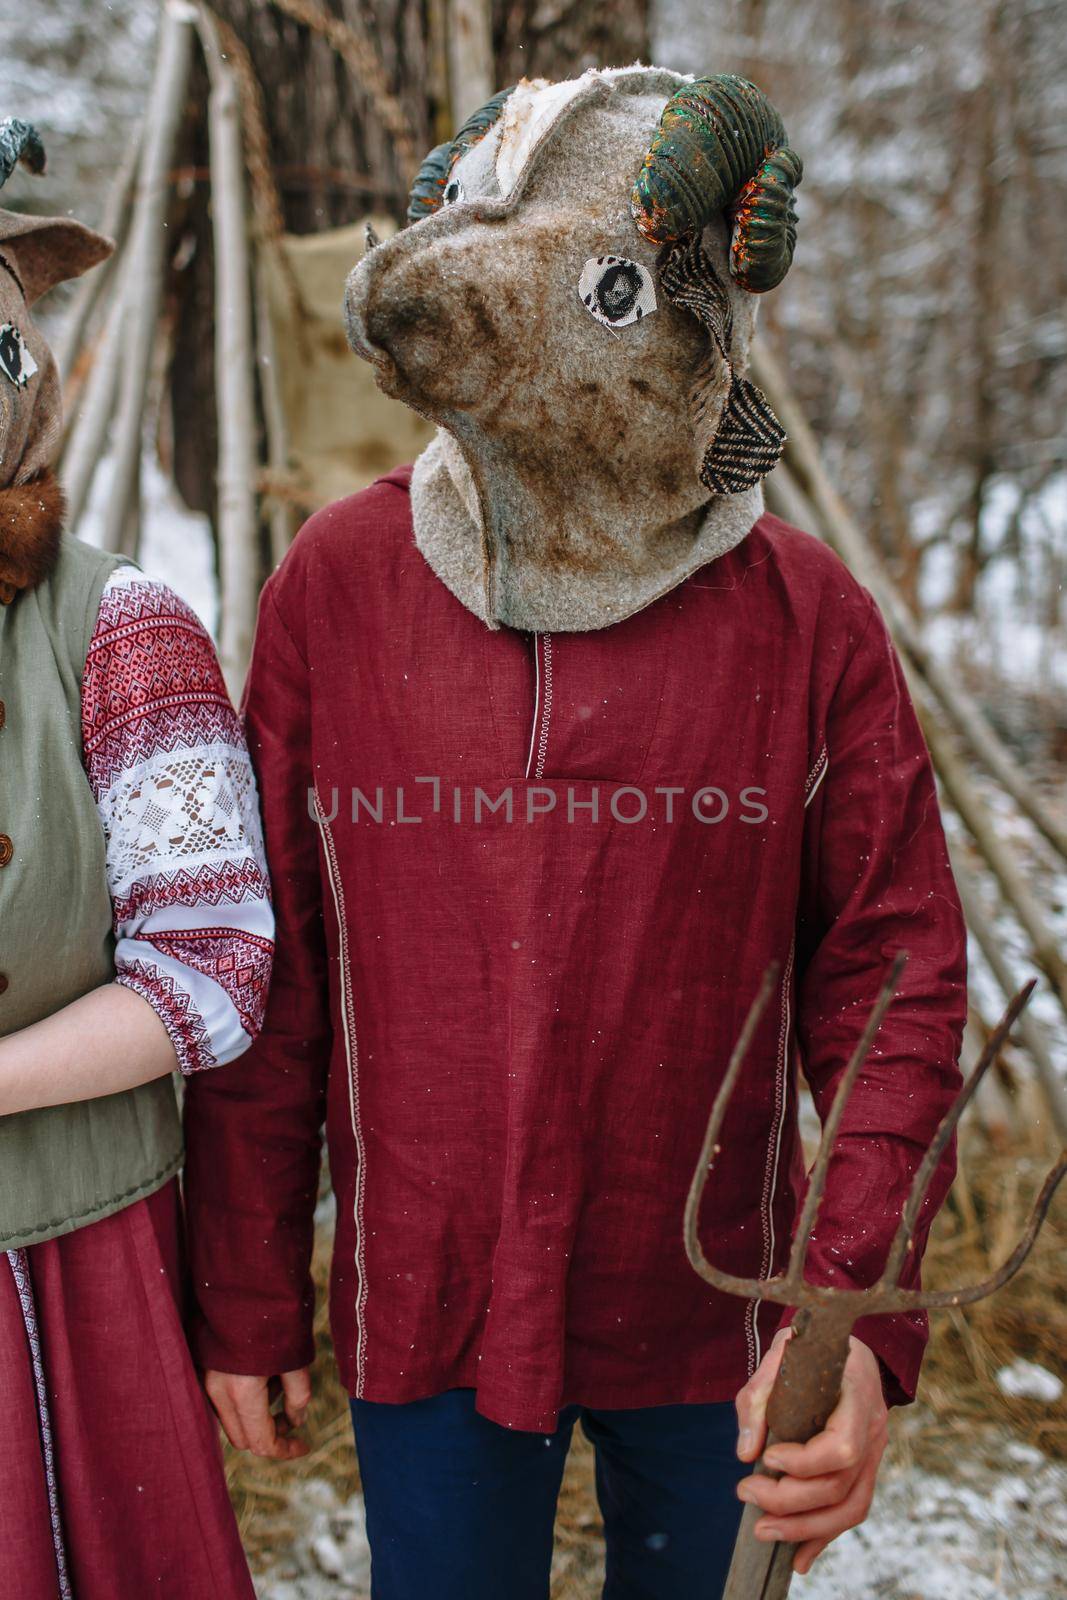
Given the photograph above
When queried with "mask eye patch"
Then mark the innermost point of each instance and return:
(616, 291)
(454, 193)
(16, 362)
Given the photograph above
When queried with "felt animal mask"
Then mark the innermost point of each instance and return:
(35, 254)
(573, 305)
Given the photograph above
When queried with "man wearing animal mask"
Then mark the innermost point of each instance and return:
(561, 742)
(135, 940)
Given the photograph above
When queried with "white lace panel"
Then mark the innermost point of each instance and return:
(178, 814)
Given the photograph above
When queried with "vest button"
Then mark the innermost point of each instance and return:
(4, 981)
(7, 849)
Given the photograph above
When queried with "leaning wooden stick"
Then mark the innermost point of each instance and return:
(147, 249)
(238, 528)
(808, 1385)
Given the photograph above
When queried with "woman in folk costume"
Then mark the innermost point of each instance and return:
(561, 741)
(136, 937)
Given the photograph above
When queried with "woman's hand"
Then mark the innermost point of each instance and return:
(828, 1483)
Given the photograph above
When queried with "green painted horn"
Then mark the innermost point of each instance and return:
(721, 148)
(19, 141)
(428, 190)
(479, 122)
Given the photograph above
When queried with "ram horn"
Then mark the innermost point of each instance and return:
(479, 122)
(721, 149)
(428, 190)
(19, 141)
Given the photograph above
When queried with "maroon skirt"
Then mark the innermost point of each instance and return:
(112, 1475)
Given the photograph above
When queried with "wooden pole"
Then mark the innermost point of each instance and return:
(238, 528)
(846, 537)
(470, 57)
(282, 519)
(1000, 859)
(114, 224)
(1029, 1028)
(147, 257)
(88, 435)
(788, 500)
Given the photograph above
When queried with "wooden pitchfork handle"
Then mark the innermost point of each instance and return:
(804, 1396)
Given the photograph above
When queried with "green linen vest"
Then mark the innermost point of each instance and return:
(64, 1166)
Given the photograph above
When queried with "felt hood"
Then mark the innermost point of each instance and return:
(580, 371)
(35, 254)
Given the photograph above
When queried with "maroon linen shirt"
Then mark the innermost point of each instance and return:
(514, 1025)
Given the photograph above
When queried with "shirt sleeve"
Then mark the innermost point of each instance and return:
(174, 788)
(254, 1132)
(878, 880)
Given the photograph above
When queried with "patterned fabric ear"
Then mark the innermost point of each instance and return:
(748, 439)
(748, 442)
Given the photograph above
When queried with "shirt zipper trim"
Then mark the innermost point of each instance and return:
(542, 706)
(537, 705)
(815, 777)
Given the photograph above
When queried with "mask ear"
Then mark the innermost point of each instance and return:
(44, 251)
(748, 439)
(748, 442)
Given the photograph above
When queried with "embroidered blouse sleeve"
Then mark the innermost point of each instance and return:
(174, 788)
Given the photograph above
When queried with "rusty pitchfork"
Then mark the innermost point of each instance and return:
(808, 1384)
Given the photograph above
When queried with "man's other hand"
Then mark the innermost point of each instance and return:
(828, 1483)
(244, 1406)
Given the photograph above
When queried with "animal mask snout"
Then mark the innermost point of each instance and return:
(405, 315)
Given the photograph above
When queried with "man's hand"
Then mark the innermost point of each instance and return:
(828, 1483)
(243, 1406)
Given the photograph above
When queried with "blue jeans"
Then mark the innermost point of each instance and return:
(459, 1508)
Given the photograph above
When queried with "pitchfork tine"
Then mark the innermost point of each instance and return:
(925, 1172)
(710, 1148)
(817, 1180)
(979, 1291)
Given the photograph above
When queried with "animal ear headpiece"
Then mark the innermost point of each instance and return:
(35, 253)
(720, 150)
(40, 252)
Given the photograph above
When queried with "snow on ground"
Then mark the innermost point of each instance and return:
(330, 1559)
(983, 1534)
(995, 1530)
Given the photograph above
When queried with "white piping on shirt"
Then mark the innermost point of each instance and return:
(770, 1175)
(352, 1059)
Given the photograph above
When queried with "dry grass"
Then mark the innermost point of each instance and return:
(975, 1231)
(263, 1494)
(961, 1398)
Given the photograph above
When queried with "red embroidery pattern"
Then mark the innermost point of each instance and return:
(151, 683)
(239, 962)
(213, 885)
(175, 1010)
(176, 798)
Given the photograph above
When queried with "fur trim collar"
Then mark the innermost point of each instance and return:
(31, 524)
